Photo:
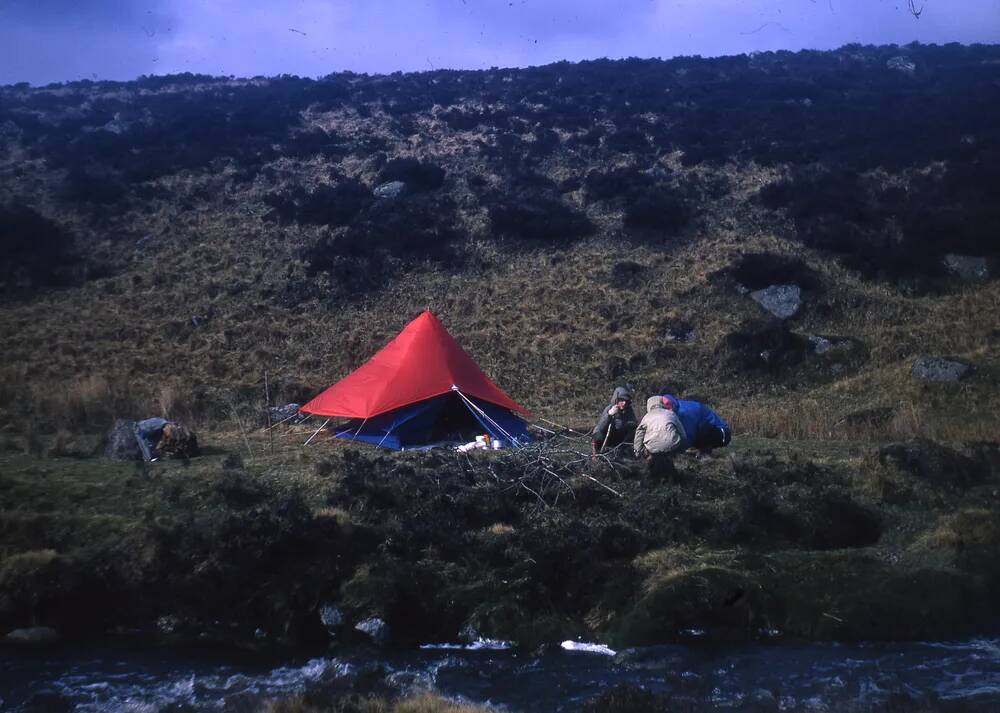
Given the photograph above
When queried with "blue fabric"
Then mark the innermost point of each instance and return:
(513, 426)
(412, 426)
(695, 416)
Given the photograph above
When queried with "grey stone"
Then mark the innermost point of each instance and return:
(117, 125)
(121, 443)
(469, 634)
(932, 368)
(168, 624)
(902, 64)
(376, 629)
(783, 301)
(289, 413)
(331, 617)
(821, 345)
(33, 636)
(390, 190)
(968, 267)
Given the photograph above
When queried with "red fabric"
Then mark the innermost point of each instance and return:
(423, 361)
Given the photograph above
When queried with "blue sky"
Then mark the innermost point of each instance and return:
(55, 40)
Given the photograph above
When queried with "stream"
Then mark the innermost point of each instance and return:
(785, 677)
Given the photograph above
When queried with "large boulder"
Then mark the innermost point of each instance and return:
(968, 267)
(783, 301)
(121, 443)
(934, 368)
(390, 190)
(375, 629)
(33, 636)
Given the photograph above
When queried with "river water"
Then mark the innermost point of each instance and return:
(780, 677)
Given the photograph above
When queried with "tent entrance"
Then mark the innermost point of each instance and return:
(441, 421)
(455, 422)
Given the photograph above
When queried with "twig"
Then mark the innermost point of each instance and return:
(590, 477)
(540, 498)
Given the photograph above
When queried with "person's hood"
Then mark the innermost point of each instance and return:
(654, 402)
(621, 392)
(673, 401)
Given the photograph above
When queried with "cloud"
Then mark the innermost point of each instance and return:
(49, 40)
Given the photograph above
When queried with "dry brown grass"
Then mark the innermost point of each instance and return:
(543, 322)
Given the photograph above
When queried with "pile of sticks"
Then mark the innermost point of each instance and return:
(547, 470)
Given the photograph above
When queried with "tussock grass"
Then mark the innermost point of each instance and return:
(546, 319)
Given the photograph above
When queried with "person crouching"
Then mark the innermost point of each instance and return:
(616, 424)
(659, 435)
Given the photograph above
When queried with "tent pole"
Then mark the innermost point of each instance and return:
(510, 438)
(317, 432)
(285, 419)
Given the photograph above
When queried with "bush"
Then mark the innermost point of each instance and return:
(538, 219)
(417, 176)
(37, 251)
(657, 209)
(334, 205)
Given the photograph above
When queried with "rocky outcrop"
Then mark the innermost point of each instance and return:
(783, 301)
(935, 368)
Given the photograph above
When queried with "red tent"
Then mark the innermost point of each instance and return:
(422, 362)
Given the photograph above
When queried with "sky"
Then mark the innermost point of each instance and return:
(44, 41)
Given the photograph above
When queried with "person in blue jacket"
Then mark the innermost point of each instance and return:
(705, 429)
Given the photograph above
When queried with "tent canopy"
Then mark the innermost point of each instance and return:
(417, 382)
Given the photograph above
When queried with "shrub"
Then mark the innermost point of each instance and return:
(657, 209)
(333, 205)
(538, 219)
(37, 251)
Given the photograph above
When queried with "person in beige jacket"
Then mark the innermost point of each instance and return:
(659, 434)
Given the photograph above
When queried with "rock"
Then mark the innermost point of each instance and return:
(390, 190)
(821, 345)
(121, 443)
(678, 330)
(932, 462)
(289, 413)
(376, 629)
(901, 64)
(469, 634)
(117, 125)
(866, 418)
(33, 636)
(931, 368)
(783, 301)
(168, 624)
(968, 267)
(332, 618)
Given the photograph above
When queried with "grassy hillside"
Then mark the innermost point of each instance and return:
(169, 241)
(563, 221)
